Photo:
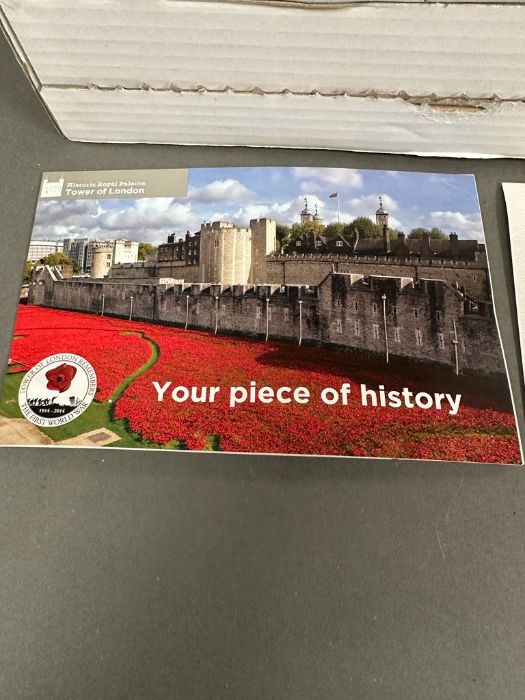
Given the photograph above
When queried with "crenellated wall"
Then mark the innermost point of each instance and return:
(424, 319)
(312, 269)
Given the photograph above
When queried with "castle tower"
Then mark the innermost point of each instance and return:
(306, 215)
(318, 218)
(381, 214)
(102, 261)
(225, 253)
(264, 242)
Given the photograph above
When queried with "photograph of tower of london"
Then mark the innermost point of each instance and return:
(272, 279)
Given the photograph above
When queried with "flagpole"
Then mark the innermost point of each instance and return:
(338, 212)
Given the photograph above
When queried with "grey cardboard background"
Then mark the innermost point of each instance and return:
(132, 574)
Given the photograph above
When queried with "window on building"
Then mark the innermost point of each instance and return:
(357, 328)
(439, 315)
(441, 341)
(339, 325)
(474, 278)
(108, 256)
(416, 314)
(356, 305)
(257, 312)
(395, 310)
(297, 243)
(397, 334)
(216, 242)
(318, 244)
(419, 337)
(269, 312)
(375, 308)
(375, 330)
(339, 244)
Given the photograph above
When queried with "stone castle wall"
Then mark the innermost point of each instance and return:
(152, 271)
(310, 269)
(426, 320)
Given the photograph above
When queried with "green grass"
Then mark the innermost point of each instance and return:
(97, 415)
(9, 400)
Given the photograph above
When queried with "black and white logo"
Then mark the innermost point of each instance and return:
(57, 390)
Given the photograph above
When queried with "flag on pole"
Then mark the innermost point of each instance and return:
(336, 195)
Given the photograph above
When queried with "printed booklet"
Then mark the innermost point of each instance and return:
(309, 311)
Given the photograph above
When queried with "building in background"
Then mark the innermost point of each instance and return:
(39, 249)
(101, 255)
(81, 251)
(75, 249)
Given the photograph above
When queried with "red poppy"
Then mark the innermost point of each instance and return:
(60, 378)
(484, 430)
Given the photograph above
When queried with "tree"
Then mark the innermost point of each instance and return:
(27, 271)
(306, 228)
(59, 259)
(433, 233)
(282, 233)
(366, 227)
(145, 250)
(417, 233)
(394, 232)
(334, 230)
(55, 259)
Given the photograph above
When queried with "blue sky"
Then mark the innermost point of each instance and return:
(240, 194)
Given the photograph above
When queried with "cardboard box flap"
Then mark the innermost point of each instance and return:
(405, 77)
(380, 49)
(300, 121)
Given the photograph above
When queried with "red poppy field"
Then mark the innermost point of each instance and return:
(482, 431)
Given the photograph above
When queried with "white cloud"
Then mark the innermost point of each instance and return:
(368, 204)
(466, 225)
(318, 179)
(221, 191)
(286, 213)
(148, 219)
(69, 212)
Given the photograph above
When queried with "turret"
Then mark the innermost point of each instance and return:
(306, 216)
(381, 214)
(318, 218)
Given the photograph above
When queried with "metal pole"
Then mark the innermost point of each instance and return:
(267, 317)
(455, 343)
(130, 307)
(385, 327)
(103, 304)
(187, 311)
(300, 322)
(338, 212)
(216, 313)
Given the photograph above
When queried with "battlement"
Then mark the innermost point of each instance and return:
(425, 318)
(136, 265)
(381, 259)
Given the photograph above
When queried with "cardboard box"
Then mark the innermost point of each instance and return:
(424, 78)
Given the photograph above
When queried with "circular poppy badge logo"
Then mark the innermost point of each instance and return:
(57, 390)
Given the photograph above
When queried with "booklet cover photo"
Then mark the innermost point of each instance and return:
(310, 311)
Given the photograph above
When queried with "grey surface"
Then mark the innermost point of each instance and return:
(136, 574)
